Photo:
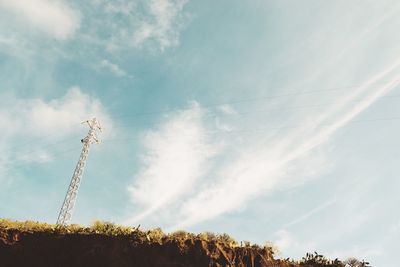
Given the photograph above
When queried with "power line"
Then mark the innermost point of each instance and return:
(16, 147)
(372, 120)
(42, 138)
(14, 166)
(241, 114)
(215, 132)
(245, 113)
(253, 99)
(208, 106)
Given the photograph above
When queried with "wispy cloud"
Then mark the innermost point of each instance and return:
(222, 126)
(38, 155)
(55, 18)
(58, 116)
(310, 213)
(162, 24)
(29, 27)
(286, 240)
(177, 155)
(153, 25)
(114, 68)
(227, 109)
(258, 169)
(261, 169)
(24, 119)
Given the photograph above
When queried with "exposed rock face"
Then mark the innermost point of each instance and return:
(41, 248)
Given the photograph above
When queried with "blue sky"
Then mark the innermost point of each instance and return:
(269, 120)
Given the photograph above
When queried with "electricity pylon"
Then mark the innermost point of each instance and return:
(70, 198)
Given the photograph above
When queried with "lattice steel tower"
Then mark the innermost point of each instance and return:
(70, 198)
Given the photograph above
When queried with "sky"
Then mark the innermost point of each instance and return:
(268, 120)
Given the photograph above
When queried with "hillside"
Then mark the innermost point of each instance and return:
(104, 244)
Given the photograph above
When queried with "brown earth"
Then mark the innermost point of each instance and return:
(57, 249)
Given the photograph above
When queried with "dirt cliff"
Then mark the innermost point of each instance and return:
(58, 247)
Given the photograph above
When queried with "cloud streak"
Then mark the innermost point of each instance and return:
(261, 170)
(310, 213)
(176, 157)
(113, 68)
(250, 172)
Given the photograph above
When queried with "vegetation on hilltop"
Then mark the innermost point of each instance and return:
(157, 236)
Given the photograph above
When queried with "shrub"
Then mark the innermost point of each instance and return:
(156, 235)
(272, 248)
(315, 259)
(353, 262)
(227, 239)
(207, 236)
(179, 234)
(247, 244)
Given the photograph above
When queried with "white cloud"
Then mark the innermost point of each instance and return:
(61, 116)
(153, 25)
(264, 167)
(37, 120)
(114, 68)
(285, 240)
(222, 126)
(162, 24)
(177, 156)
(227, 109)
(37, 155)
(55, 18)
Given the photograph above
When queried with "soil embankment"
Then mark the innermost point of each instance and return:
(63, 247)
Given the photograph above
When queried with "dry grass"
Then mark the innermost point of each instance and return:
(111, 229)
(98, 227)
(158, 236)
